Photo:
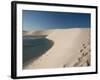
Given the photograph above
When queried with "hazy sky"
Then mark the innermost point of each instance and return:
(40, 20)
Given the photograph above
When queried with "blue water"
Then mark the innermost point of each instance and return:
(34, 47)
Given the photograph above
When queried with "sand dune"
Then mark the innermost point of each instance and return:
(37, 33)
(71, 48)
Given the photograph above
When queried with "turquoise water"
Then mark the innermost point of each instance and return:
(33, 47)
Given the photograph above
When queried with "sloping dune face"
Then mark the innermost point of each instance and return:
(71, 49)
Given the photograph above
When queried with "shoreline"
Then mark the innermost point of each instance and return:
(66, 49)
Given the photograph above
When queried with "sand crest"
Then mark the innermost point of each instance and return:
(71, 48)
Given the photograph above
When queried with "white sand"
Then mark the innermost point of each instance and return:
(66, 49)
(37, 33)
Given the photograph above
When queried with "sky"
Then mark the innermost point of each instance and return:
(42, 20)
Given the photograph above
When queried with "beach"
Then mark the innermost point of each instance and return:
(71, 48)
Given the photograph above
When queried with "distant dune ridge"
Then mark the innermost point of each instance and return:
(71, 49)
(37, 33)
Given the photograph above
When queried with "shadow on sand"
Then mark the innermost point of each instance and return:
(34, 48)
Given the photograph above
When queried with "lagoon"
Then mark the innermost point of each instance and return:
(34, 47)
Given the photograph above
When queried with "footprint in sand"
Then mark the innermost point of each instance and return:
(64, 66)
(81, 50)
